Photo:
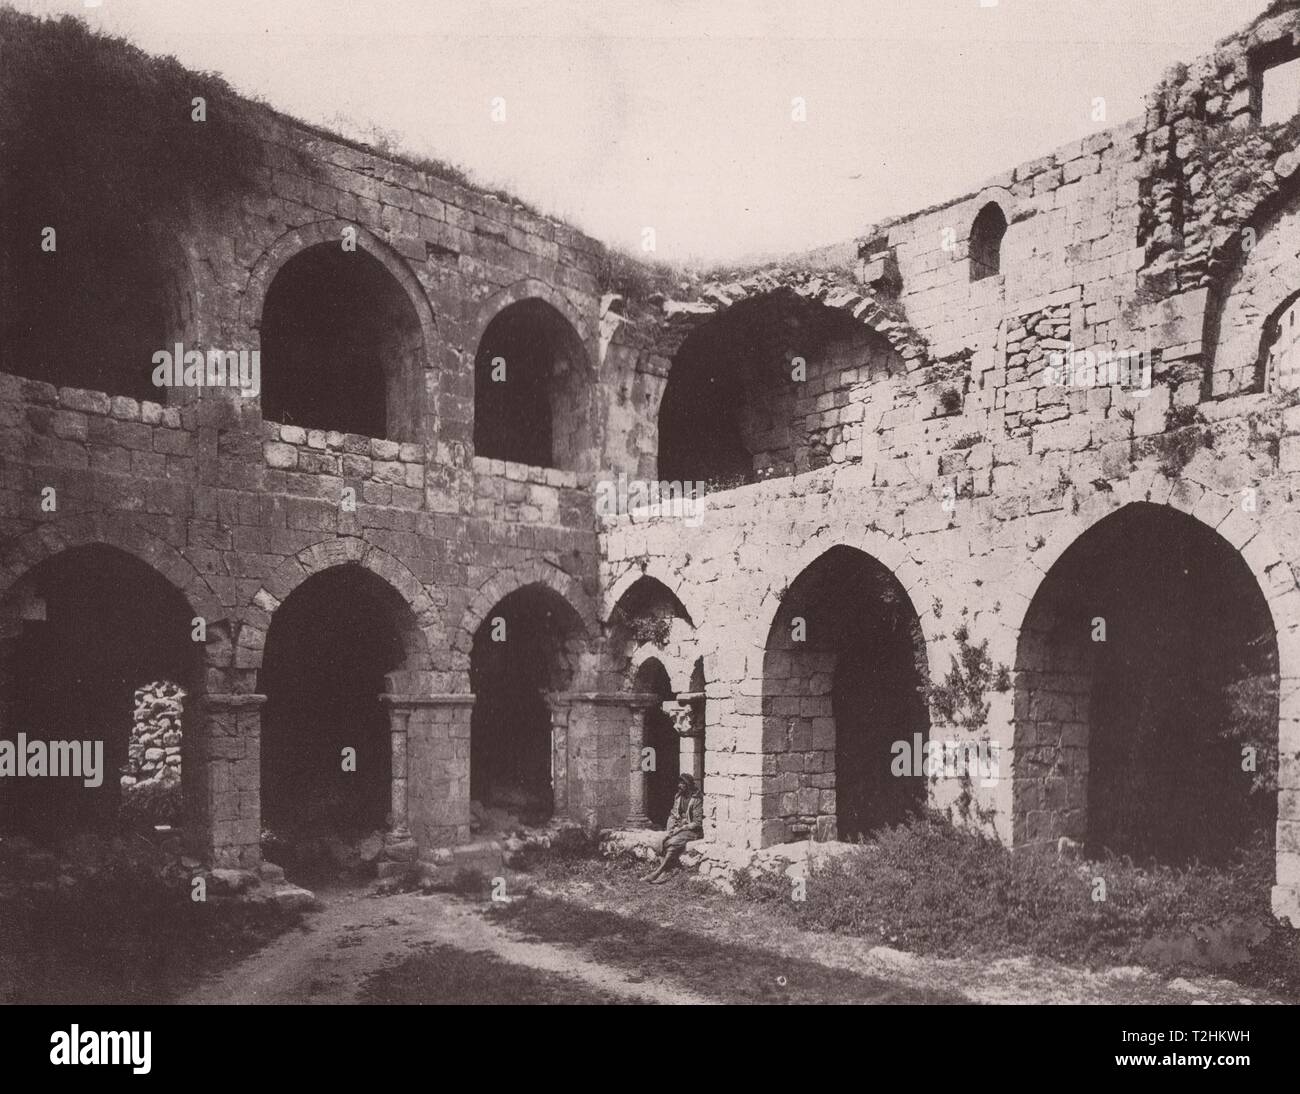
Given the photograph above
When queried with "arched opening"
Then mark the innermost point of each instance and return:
(326, 744)
(843, 679)
(648, 614)
(986, 242)
(527, 645)
(97, 653)
(1147, 662)
(645, 613)
(766, 389)
(342, 347)
(92, 312)
(659, 735)
(1243, 354)
(1280, 347)
(531, 388)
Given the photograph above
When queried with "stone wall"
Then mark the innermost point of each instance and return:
(925, 438)
(1132, 239)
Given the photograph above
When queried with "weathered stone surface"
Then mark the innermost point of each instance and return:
(931, 432)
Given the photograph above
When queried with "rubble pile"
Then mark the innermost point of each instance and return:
(154, 754)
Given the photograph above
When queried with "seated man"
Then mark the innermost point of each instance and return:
(685, 823)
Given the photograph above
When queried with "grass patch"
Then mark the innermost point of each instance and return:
(127, 933)
(443, 974)
(932, 888)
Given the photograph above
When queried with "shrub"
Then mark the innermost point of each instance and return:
(929, 886)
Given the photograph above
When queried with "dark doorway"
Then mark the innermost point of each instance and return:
(328, 649)
(1135, 743)
(519, 654)
(843, 679)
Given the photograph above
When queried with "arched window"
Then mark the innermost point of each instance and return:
(342, 346)
(92, 313)
(531, 388)
(735, 411)
(986, 242)
(1281, 348)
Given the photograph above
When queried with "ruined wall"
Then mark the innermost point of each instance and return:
(929, 440)
(238, 511)
(1172, 235)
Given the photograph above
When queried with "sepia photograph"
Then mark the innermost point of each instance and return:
(535, 502)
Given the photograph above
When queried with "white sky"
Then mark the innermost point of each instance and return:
(676, 114)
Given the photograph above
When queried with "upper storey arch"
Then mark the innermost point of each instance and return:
(93, 310)
(345, 330)
(534, 385)
(986, 234)
(777, 381)
(1250, 328)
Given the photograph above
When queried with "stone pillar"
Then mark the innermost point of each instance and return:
(430, 779)
(687, 713)
(1286, 893)
(398, 844)
(589, 754)
(639, 703)
(229, 777)
(559, 702)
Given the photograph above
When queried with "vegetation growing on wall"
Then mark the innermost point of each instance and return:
(962, 698)
(90, 122)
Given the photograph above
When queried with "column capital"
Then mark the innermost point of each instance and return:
(687, 713)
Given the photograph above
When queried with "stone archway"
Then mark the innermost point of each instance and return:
(844, 673)
(533, 383)
(346, 333)
(1141, 654)
(97, 650)
(329, 762)
(743, 398)
(525, 658)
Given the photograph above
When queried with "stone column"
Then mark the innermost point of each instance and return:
(398, 845)
(590, 762)
(229, 777)
(558, 702)
(640, 703)
(429, 791)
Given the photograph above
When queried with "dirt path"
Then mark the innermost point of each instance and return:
(357, 935)
(624, 946)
